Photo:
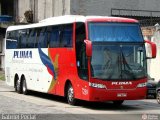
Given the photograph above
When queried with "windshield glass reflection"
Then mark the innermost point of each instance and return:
(118, 61)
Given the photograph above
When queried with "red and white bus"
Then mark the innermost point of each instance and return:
(92, 58)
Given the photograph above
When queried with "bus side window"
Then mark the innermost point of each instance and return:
(66, 40)
(12, 40)
(23, 38)
(42, 38)
(16, 37)
(32, 38)
(54, 37)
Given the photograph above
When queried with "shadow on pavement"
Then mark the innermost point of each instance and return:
(126, 106)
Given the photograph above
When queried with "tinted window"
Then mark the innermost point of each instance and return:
(66, 36)
(42, 37)
(54, 36)
(12, 40)
(23, 38)
(32, 38)
(115, 32)
(54, 40)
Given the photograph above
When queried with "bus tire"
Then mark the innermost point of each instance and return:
(24, 87)
(70, 95)
(18, 86)
(118, 102)
(158, 97)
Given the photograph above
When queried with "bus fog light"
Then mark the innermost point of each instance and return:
(142, 85)
(95, 85)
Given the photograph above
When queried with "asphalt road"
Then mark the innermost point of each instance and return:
(39, 106)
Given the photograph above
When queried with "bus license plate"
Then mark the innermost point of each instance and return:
(121, 94)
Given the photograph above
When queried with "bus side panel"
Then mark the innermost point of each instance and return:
(27, 62)
(65, 68)
(9, 68)
(61, 61)
(40, 76)
(64, 61)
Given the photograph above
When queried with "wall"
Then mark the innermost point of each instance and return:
(155, 63)
(61, 7)
(48, 8)
(103, 7)
(43, 8)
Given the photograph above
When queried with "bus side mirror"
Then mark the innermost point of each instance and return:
(153, 49)
(88, 44)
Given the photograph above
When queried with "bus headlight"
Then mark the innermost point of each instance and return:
(141, 85)
(95, 85)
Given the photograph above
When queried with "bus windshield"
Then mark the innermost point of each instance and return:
(115, 32)
(118, 51)
(118, 61)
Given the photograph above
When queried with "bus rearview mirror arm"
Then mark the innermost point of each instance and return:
(153, 49)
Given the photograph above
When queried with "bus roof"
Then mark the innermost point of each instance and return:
(70, 19)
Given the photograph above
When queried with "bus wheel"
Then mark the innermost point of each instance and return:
(158, 97)
(118, 102)
(24, 87)
(18, 86)
(70, 95)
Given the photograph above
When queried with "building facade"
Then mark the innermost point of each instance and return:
(42, 9)
(6, 19)
(139, 9)
(32, 11)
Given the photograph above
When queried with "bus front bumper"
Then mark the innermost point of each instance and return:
(117, 94)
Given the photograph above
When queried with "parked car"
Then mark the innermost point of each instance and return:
(158, 92)
(151, 88)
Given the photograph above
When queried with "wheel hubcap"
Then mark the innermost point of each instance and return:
(18, 84)
(24, 86)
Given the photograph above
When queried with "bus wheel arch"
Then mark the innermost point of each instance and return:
(69, 93)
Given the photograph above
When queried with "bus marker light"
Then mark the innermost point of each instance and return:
(141, 85)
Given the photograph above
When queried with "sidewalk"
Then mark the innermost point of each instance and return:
(4, 87)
